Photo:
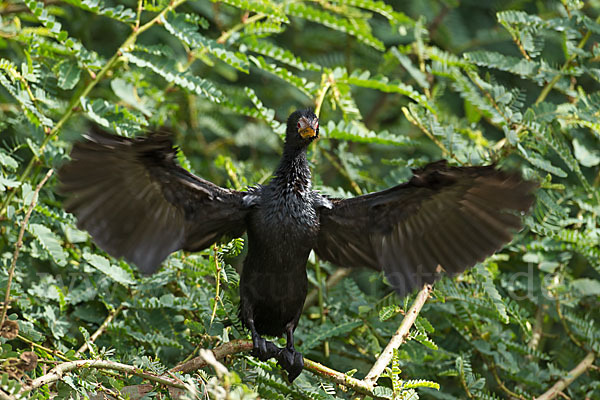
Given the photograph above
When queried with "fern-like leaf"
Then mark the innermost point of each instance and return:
(359, 31)
(119, 13)
(299, 83)
(168, 70)
(364, 79)
(359, 133)
(180, 27)
(275, 52)
(327, 331)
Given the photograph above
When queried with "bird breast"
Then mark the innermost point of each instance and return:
(285, 217)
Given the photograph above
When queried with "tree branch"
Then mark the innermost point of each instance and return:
(55, 353)
(571, 376)
(20, 8)
(13, 264)
(226, 35)
(360, 386)
(546, 90)
(100, 330)
(399, 337)
(5, 396)
(326, 80)
(60, 370)
(229, 348)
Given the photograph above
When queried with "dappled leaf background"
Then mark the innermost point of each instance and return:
(398, 85)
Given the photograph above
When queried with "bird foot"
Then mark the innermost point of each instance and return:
(264, 349)
(287, 358)
(292, 361)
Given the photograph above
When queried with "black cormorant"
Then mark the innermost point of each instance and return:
(138, 203)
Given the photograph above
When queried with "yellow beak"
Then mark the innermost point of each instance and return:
(307, 132)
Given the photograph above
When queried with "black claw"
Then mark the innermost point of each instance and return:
(272, 350)
(264, 349)
(287, 358)
(259, 348)
(291, 361)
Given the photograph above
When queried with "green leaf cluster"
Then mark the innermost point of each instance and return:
(397, 85)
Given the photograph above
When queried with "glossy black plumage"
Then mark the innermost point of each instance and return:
(448, 216)
(137, 203)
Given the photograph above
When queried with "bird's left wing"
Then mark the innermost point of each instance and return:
(444, 216)
(138, 203)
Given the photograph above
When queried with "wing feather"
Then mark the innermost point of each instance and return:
(448, 217)
(138, 203)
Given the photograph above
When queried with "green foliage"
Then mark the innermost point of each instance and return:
(397, 84)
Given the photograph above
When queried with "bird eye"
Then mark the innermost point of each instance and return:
(299, 125)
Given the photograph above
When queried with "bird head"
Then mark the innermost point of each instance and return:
(302, 128)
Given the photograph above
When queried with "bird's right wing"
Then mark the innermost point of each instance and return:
(444, 216)
(138, 203)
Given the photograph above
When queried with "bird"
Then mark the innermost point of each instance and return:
(138, 203)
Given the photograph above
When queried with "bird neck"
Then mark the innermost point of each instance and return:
(293, 170)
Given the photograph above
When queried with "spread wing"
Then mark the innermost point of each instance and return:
(444, 216)
(138, 203)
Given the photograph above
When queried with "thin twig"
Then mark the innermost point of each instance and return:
(399, 337)
(4, 396)
(571, 376)
(342, 171)
(226, 35)
(564, 67)
(326, 81)
(538, 327)
(435, 24)
(55, 353)
(334, 279)
(501, 384)
(521, 48)
(18, 8)
(426, 131)
(139, 15)
(570, 334)
(320, 288)
(13, 264)
(60, 370)
(218, 283)
(463, 382)
(100, 330)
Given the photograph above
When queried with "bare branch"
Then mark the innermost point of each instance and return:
(20, 243)
(399, 337)
(100, 330)
(567, 380)
(4, 396)
(229, 348)
(60, 370)
(360, 386)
